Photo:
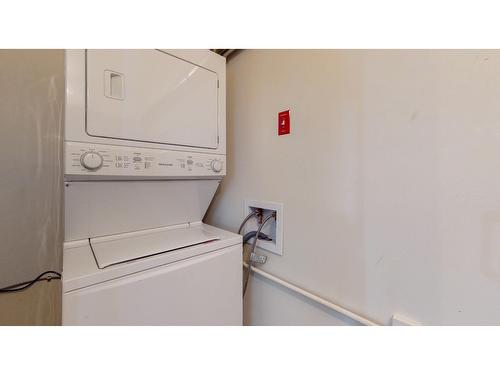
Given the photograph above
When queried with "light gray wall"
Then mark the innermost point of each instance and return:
(31, 119)
(389, 180)
(269, 304)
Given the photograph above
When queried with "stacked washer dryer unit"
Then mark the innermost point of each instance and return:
(144, 154)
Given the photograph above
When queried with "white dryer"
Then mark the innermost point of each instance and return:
(144, 155)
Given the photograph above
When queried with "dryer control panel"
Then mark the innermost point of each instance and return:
(85, 160)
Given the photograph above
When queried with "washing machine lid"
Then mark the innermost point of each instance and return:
(116, 249)
(80, 269)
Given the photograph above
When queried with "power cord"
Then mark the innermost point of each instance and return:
(22, 286)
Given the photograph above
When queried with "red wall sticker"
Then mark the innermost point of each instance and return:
(284, 122)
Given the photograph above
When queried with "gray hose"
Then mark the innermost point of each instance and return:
(250, 215)
(257, 235)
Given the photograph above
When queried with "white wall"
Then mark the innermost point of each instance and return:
(390, 180)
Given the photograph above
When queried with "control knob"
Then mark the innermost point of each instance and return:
(91, 160)
(216, 165)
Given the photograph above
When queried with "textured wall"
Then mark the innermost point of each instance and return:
(389, 179)
(31, 123)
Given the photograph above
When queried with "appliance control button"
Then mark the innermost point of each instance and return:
(216, 165)
(91, 160)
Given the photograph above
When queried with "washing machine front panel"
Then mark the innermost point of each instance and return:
(203, 290)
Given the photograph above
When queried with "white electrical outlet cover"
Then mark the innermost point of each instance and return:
(275, 246)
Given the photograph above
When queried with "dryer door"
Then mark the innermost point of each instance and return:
(151, 96)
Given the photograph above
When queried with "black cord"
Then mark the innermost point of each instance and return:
(252, 234)
(27, 284)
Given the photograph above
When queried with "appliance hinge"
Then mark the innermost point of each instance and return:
(217, 83)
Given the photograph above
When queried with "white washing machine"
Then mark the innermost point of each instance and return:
(144, 155)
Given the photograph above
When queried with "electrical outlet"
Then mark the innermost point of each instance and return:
(260, 259)
(273, 228)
